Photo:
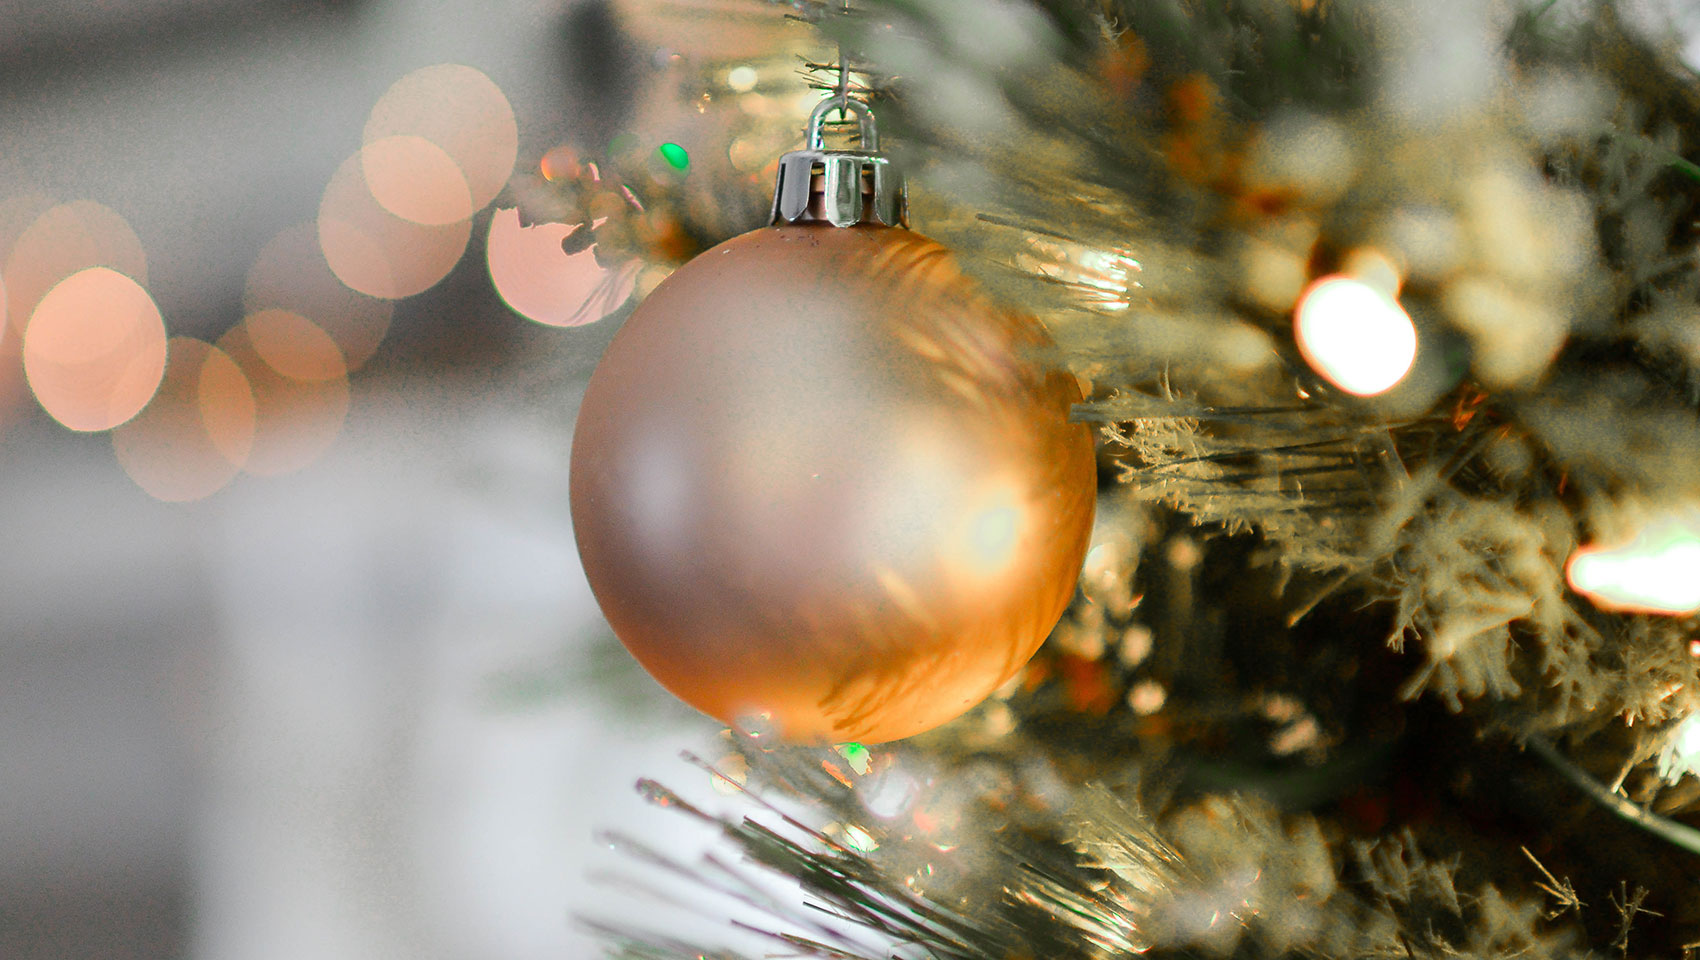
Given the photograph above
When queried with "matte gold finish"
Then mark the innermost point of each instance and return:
(817, 477)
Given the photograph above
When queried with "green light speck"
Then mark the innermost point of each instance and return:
(675, 156)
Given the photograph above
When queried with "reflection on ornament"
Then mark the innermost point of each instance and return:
(1657, 572)
(1355, 335)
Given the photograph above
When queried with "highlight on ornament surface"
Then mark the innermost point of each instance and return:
(1658, 571)
(1355, 334)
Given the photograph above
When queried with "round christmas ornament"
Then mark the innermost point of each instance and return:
(818, 481)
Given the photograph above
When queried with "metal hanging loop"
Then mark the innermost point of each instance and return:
(840, 187)
(844, 104)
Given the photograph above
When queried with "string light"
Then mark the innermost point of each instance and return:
(1355, 334)
(1656, 572)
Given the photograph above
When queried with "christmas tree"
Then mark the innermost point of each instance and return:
(1386, 321)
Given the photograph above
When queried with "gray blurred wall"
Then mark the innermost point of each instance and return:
(262, 725)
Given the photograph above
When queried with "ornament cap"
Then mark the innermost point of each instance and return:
(840, 187)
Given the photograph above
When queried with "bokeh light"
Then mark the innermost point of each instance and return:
(294, 346)
(1355, 335)
(94, 349)
(291, 274)
(376, 252)
(295, 419)
(460, 110)
(196, 433)
(1656, 572)
(416, 180)
(17, 213)
(541, 281)
(1375, 268)
(742, 78)
(61, 241)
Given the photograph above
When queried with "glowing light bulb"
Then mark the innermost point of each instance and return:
(1355, 335)
(1657, 572)
(375, 252)
(61, 241)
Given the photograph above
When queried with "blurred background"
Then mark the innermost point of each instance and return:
(296, 659)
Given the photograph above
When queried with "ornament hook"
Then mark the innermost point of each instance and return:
(843, 103)
(840, 187)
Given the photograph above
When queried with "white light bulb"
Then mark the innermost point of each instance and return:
(1355, 335)
(1657, 572)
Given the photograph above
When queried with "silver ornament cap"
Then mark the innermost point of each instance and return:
(853, 186)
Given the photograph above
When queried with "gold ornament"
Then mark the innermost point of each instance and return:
(817, 479)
